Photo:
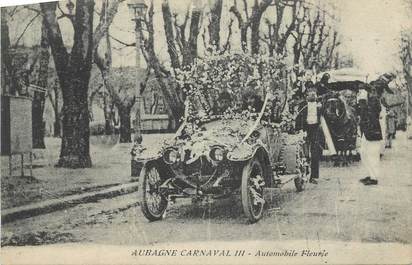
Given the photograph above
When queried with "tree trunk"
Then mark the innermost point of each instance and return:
(39, 98)
(108, 128)
(243, 38)
(254, 41)
(125, 124)
(168, 26)
(296, 53)
(56, 109)
(408, 78)
(9, 78)
(214, 25)
(5, 44)
(191, 53)
(38, 129)
(255, 18)
(57, 127)
(74, 74)
(75, 151)
(170, 95)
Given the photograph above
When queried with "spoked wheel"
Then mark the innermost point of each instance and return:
(153, 204)
(303, 169)
(253, 182)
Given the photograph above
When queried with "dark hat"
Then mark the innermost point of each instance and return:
(380, 85)
(325, 77)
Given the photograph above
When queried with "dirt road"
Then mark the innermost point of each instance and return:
(339, 208)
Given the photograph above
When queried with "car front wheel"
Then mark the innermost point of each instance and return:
(253, 182)
(152, 202)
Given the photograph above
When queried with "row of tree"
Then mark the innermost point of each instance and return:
(295, 28)
(300, 27)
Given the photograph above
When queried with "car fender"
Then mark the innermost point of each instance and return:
(245, 152)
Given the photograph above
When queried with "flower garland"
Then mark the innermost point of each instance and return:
(234, 73)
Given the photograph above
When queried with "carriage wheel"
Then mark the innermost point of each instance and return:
(303, 169)
(153, 203)
(252, 190)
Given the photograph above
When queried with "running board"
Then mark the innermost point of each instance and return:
(284, 179)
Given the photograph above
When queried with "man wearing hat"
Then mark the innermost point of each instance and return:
(369, 106)
(322, 85)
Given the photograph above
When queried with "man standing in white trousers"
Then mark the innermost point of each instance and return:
(370, 127)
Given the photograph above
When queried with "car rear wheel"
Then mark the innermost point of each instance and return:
(253, 182)
(152, 202)
(303, 169)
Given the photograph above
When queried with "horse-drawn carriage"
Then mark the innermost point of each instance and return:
(340, 109)
(340, 122)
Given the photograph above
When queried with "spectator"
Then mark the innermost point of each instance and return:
(252, 101)
(371, 143)
(309, 120)
(223, 103)
(322, 85)
(391, 127)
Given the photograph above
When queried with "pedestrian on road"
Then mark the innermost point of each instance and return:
(369, 102)
(391, 127)
(309, 120)
(383, 124)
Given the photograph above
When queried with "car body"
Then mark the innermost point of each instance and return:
(220, 156)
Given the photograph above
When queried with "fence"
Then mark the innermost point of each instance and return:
(157, 123)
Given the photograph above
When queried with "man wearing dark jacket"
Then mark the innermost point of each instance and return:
(308, 120)
(369, 107)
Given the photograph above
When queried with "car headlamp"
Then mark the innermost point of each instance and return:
(217, 153)
(171, 156)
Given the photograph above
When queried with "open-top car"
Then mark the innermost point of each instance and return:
(219, 152)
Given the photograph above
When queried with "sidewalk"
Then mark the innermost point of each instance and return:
(111, 168)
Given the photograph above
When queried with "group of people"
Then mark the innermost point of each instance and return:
(306, 103)
(250, 100)
(376, 129)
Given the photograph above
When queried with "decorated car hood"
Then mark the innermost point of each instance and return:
(199, 140)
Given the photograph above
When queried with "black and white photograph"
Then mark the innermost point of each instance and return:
(206, 132)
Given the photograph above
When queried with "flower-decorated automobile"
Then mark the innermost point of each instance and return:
(220, 152)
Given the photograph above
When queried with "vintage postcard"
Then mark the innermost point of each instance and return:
(206, 132)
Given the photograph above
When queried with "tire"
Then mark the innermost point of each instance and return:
(303, 169)
(152, 203)
(252, 190)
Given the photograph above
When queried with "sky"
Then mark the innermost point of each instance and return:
(370, 30)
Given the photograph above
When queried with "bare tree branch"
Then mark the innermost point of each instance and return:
(63, 14)
(25, 29)
(122, 42)
(106, 20)
(229, 35)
